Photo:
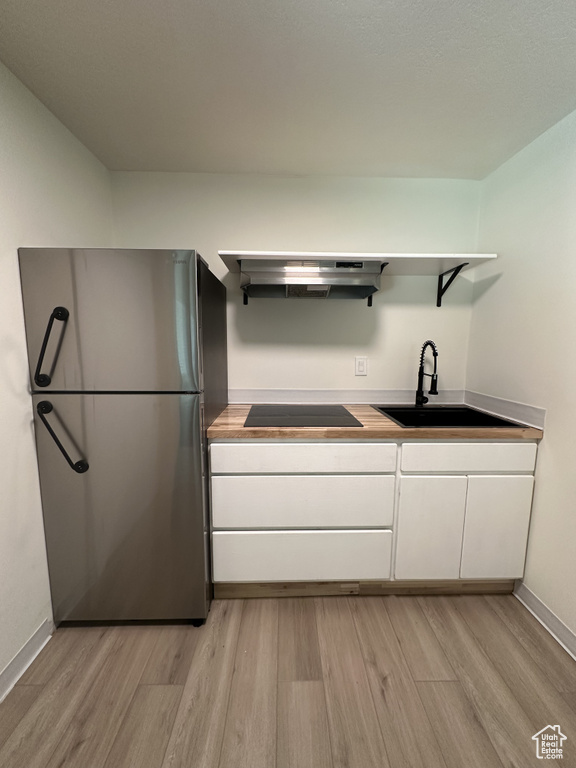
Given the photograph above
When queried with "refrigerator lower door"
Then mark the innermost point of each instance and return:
(126, 538)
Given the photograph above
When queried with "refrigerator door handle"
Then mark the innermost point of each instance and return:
(43, 408)
(58, 313)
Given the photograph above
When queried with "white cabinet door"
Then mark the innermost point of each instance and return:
(430, 525)
(496, 526)
(302, 501)
(301, 555)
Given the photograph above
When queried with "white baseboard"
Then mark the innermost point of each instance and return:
(549, 620)
(25, 656)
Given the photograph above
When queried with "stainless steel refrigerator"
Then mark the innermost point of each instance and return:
(127, 353)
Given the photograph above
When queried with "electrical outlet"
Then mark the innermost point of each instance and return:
(361, 366)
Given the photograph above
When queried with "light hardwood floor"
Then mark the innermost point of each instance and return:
(325, 682)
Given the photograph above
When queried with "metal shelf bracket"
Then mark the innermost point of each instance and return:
(443, 287)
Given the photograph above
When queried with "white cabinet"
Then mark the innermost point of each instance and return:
(430, 525)
(299, 511)
(469, 526)
(329, 511)
(496, 526)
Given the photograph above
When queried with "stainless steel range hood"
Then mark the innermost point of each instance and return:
(307, 275)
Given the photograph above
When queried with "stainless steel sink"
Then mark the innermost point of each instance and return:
(442, 416)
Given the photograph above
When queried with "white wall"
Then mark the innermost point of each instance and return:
(522, 337)
(275, 344)
(53, 192)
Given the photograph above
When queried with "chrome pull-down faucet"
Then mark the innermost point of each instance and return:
(420, 398)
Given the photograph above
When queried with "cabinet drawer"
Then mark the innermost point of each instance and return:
(302, 501)
(273, 458)
(469, 457)
(301, 555)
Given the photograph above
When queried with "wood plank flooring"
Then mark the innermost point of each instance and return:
(310, 682)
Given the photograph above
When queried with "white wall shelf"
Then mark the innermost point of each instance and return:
(445, 266)
(398, 263)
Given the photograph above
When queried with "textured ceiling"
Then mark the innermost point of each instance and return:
(438, 88)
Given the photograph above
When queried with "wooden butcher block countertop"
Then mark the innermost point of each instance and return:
(230, 425)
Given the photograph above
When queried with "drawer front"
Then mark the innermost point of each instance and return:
(301, 555)
(259, 458)
(302, 501)
(469, 457)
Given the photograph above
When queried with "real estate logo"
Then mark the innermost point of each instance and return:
(549, 743)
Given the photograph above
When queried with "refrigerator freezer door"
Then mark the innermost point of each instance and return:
(126, 539)
(111, 319)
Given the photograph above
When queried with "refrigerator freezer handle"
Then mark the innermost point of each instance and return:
(43, 408)
(43, 379)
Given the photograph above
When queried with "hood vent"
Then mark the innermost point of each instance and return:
(281, 275)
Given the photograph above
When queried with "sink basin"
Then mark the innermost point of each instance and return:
(442, 416)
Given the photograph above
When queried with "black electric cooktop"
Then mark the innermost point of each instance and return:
(300, 416)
